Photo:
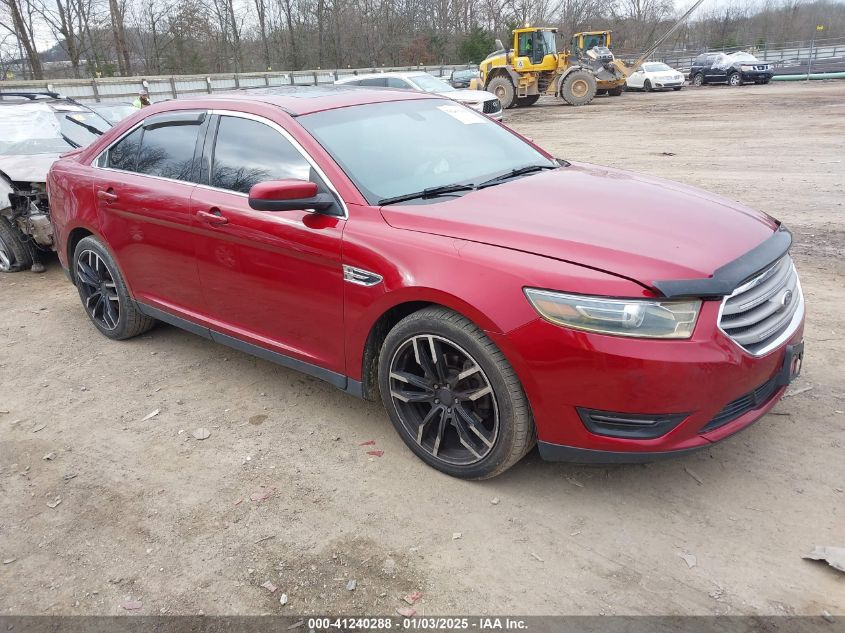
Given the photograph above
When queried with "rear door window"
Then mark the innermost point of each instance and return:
(167, 151)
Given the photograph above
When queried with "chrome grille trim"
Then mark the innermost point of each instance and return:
(761, 314)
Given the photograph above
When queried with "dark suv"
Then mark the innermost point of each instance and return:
(734, 69)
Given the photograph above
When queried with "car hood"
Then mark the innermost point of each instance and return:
(468, 96)
(643, 228)
(32, 168)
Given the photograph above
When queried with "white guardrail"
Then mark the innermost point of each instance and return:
(827, 55)
(172, 87)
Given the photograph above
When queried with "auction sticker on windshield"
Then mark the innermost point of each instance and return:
(462, 114)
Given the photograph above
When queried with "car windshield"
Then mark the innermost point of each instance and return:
(113, 112)
(30, 129)
(743, 57)
(38, 128)
(80, 125)
(656, 68)
(401, 147)
(430, 83)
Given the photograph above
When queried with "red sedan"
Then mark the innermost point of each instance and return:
(404, 247)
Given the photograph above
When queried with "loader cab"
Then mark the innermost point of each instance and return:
(534, 49)
(582, 42)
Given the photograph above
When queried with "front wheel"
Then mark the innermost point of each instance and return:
(616, 92)
(104, 294)
(15, 254)
(676, 88)
(452, 396)
(579, 88)
(647, 85)
(502, 87)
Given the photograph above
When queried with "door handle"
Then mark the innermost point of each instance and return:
(108, 196)
(213, 216)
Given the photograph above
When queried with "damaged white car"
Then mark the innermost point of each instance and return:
(35, 128)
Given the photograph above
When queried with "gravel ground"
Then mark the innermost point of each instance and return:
(282, 490)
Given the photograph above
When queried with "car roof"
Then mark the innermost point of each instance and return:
(299, 100)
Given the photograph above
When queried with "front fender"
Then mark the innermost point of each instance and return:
(483, 282)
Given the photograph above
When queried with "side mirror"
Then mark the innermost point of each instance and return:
(288, 195)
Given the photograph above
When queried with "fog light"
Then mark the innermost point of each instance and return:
(635, 426)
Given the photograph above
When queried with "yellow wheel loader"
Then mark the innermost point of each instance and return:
(534, 67)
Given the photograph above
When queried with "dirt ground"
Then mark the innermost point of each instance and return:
(150, 514)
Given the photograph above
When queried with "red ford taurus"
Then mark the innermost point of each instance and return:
(402, 246)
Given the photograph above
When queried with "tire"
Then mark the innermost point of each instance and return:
(502, 87)
(601, 92)
(616, 92)
(765, 81)
(15, 253)
(734, 79)
(524, 102)
(676, 88)
(103, 292)
(647, 85)
(579, 88)
(698, 80)
(501, 414)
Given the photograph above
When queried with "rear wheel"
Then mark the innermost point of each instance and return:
(698, 80)
(103, 292)
(734, 79)
(502, 87)
(452, 396)
(14, 251)
(579, 88)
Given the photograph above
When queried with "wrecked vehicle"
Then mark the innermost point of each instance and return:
(35, 128)
(734, 69)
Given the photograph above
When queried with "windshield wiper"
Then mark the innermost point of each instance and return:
(431, 192)
(90, 128)
(70, 141)
(519, 171)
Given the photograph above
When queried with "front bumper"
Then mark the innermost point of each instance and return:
(702, 378)
(754, 75)
(674, 83)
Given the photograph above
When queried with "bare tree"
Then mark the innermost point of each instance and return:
(21, 27)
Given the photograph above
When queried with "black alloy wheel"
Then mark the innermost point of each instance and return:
(98, 290)
(444, 399)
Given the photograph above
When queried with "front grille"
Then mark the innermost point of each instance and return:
(758, 314)
(743, 405)
(492, 106)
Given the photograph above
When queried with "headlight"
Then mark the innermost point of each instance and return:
(474, 105)
(645, 318)
(745, 69)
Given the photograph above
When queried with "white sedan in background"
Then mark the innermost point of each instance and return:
(655, 76)
(480, 100)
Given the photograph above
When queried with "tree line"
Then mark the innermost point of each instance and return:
(97, 38)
